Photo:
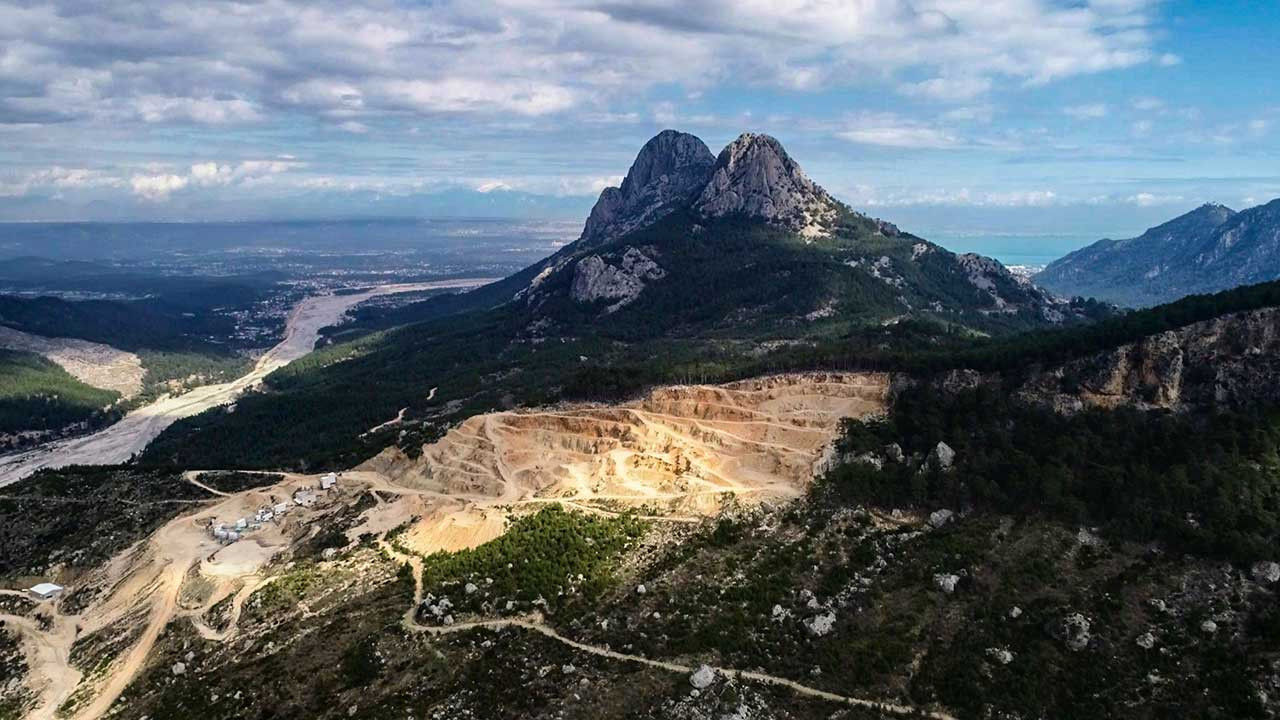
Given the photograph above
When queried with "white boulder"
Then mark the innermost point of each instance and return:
(702, 678)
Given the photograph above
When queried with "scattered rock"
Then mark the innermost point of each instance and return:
(179, 668)
(1074, 630)
(1266, 572)
(1000, 655)
(702, 678)
(1015, 612)
(1208, 627)
(942, 457)
(820, 625)
(946, 582)
(1086, 538)
(1146, 641)
(893, 451)
(470, 588)
(779, 613)
(640, 590)
(938, 518)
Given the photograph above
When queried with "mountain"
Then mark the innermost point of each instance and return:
(746, 242)
(1208, 249)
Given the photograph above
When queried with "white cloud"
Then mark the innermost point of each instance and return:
(1086, 112)
(1146, 199)
(58, 178)
(1169, 60)
(160, 184)
(888, 130)
(493, 186)
(1147, 104)
(157, 187)
(206, 110)
(965, 87)
(218, 63)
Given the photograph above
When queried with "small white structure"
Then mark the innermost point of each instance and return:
(328, 481)
(242, 523)
(46, 591)
(280, 508)
(304, 498)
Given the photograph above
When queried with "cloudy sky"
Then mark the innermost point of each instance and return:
(1000, 115)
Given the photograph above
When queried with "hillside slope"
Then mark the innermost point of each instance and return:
(1206, 250)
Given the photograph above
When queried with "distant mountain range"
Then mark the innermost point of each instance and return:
(1209, 249)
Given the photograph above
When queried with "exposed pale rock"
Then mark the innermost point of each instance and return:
(179, 668)
(1266, 572)
(938, 518)
(703, 677)
(595, 279)
(755, 177)
(820, 625)
(942, 457)
(1208, 627)
(1000, 655)
(1146, 641)
(893, 451)
(946, 582)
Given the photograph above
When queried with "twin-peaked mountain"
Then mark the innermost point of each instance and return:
(1209, 249)
(745, 243)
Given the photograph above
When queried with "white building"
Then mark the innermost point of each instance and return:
(46, 591)
(304, 498)
(280, 508)
(328, 481)
(242, 523)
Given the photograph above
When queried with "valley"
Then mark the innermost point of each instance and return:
(121, 441)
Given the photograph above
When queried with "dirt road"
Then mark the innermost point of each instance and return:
(121, 441)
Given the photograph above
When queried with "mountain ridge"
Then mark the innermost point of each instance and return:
(1205, 250)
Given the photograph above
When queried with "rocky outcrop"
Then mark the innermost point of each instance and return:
(755, 177)
(594, 279)
(670, 171)
(1233, 360)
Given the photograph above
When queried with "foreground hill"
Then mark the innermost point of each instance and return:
(1073, 533)
(1210, 248)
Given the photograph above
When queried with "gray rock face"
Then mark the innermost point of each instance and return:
(754, 176)
(942, 457)
(595, 279)
(670, 171)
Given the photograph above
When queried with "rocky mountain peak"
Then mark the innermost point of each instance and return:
(755, 176)
(669, 172)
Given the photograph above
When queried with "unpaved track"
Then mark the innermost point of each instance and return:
(535, 623)
(119, 442)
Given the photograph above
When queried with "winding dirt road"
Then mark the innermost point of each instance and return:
(121, 441)
(535, 623)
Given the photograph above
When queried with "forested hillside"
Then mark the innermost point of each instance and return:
(38, 396)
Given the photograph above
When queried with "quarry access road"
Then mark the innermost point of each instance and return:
(119, 442)
(535, 623)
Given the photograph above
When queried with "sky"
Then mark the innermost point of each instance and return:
(1019, 118)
